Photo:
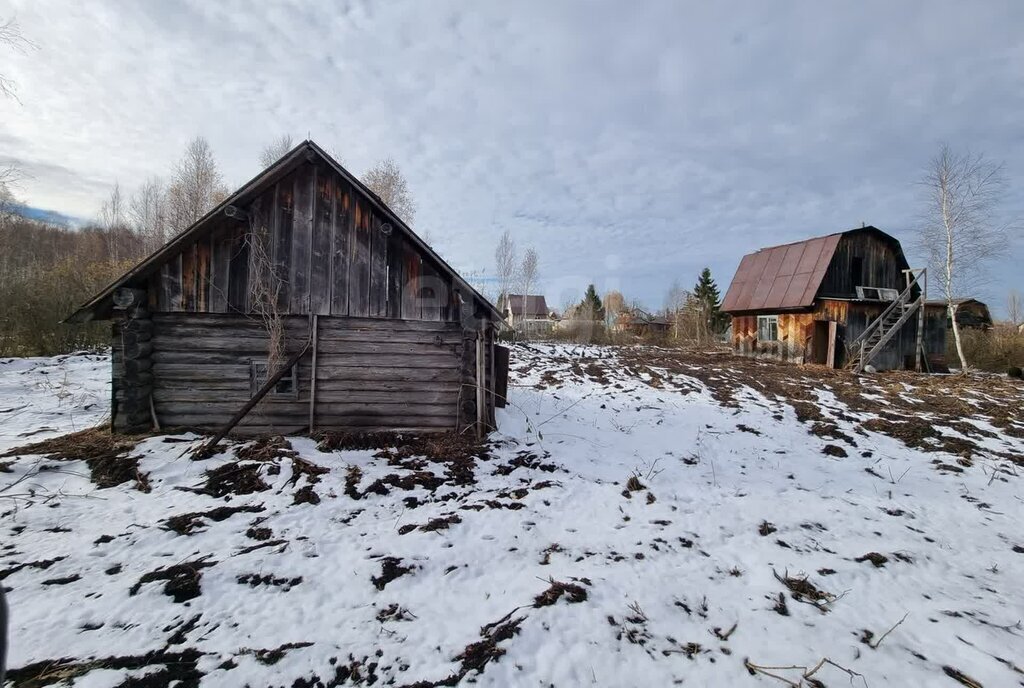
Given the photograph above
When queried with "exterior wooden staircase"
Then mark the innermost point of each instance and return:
(877, 334)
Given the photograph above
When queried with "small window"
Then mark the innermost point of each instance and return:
(767, 328)
(287, 386)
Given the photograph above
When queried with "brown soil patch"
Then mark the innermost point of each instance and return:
(183, 580)
(390, 569)
(178, 669)
(573, 594)
(186, 524)
(104, 452)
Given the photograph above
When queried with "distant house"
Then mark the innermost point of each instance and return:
(845, 299)
(639, 322)
(379, 332)
(527, 313)
(970, 313)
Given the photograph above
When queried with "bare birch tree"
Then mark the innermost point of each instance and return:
(147, 213)
(505, 266)
(196, 187)
(959, 231)
(387, 181)
(1014, 308)
(528, 274)
(275, 150)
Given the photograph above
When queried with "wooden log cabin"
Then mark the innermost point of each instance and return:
(385, 334)
(845, 299)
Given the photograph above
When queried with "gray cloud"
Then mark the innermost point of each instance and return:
(655, 139)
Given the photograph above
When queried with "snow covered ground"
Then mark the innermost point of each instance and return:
(641, 519)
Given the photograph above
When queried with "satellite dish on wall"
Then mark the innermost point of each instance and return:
(385, 229)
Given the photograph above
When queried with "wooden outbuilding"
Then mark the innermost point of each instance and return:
(304, 275)
(845, 299)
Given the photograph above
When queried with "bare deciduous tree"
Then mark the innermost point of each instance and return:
(959, 231)
(528, 274)
(10, 35)
(387, 181)
(505, 266)
(147, 213)
(275, 150)
(196, 187)
(1014, 308)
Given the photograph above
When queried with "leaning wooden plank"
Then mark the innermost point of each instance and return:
(271, 382)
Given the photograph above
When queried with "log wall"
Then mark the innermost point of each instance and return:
(371, 374)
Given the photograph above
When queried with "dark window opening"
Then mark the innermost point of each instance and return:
(287, 386)
(857, 270)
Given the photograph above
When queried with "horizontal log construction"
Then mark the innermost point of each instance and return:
(371, 373)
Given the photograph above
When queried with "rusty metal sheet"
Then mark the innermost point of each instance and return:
(791, 259)
(781, 277)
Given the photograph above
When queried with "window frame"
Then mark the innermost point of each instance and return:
(766, 323)
(258, 376)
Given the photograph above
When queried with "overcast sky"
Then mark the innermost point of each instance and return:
(630, 143)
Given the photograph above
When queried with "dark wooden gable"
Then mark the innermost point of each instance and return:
(329, 250)
(331, 247)
(864, 257)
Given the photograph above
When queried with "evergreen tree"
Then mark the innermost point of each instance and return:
(706, 292)
(591, 307)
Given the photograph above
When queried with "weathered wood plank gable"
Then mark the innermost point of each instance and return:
(330, 253)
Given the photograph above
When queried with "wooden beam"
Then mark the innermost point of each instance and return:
(312, 378)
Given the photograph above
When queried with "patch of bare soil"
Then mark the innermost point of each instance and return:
(878, 560)
(176, 669)
(41, 565)
(573, 594)
(186, 524)
(182, 580)
(803, 590)
(477, 655)
(235, 478)
(254, 580)
(440, 523)
(105, 453)
(915, 403)
(390, 569)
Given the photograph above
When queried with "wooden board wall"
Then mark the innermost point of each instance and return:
(881, 266)
(330, 254)
(372, 374)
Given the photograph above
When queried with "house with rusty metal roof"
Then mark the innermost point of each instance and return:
(848, 299)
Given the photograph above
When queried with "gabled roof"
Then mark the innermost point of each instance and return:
(533, 305)
(787, 276)
(307, 151)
